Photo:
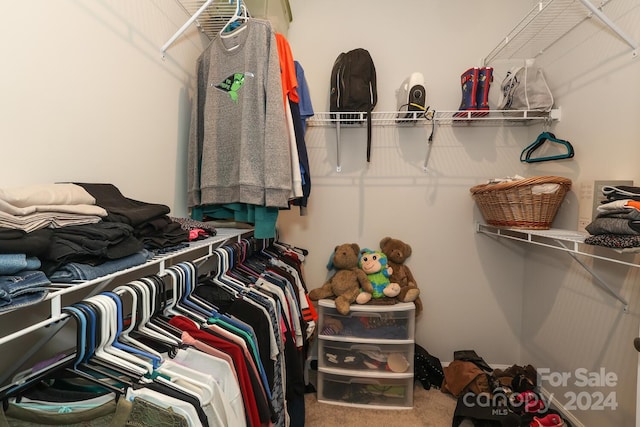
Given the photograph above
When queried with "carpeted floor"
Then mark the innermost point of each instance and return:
(431, 408)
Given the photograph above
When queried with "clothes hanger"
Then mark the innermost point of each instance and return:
(191, 272)
(145, 327)
(105, 348)
(157, 286)
(300, 252)
(541, 140)
(124, 335)
(79, 365)
(93, 337)
(221, 276)
(120, 343)
(74, 366)
(180, 305)
(113, 304)
(214, 278)
(234, 269)
(250, 267)
(233, 23)
(187, 380)
(85, 364)
(162, 375)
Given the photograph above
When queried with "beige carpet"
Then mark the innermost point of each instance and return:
(431, 408)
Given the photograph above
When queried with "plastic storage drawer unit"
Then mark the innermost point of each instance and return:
(386, 393)
(379, 322)
(366, 357)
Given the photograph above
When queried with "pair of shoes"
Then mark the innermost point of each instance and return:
(475, 90)
(518, 378)
(551, 420)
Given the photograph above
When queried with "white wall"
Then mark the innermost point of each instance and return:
(568, 321)
(88, 97)
(472, 286)
(472, 297)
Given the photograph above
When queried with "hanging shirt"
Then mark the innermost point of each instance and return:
(238, 145)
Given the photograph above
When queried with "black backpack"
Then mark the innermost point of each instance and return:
(353, 88)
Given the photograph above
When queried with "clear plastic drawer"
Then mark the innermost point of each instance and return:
(391, 358)
(386, 393)
(380, 322)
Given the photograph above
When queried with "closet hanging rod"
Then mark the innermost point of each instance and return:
(186, 25)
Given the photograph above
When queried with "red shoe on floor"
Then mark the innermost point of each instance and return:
(529, 401)
(551, 420)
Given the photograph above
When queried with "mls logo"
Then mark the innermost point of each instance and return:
(500, 412)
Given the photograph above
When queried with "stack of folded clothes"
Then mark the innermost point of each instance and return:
(28, 215)
(70, 232)
(617, 224)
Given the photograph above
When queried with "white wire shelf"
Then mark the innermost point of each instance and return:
(413, 118)
(546, 23)
(569, 241)
(213, 17)
(156, 265)
(556, 238)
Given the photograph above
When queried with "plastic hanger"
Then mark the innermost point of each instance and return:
(191, 283)
(82, 365)
(124, 335)
(233, 22)
(105, 349)
(120, 343)
(157, 286)
(187, 379)
(180, 305)
(79, 364)
(74, 365)
(542, 139)
(93, 335)
(145, 327)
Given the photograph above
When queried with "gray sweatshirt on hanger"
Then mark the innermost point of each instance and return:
(238, 144)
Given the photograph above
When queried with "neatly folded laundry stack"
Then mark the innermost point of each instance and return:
(617, 224)
(68, 232)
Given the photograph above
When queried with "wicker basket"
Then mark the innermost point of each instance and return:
(514, 205)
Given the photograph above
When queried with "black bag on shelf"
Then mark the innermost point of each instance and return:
(353, 88)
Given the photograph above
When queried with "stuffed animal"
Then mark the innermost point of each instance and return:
(349, 283)
(374, 263)
(397, 253)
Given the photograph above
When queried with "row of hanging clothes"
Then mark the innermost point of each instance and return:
(219, 341)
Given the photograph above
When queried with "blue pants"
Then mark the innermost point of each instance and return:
(21, 289)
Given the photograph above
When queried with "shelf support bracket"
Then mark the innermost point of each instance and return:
(601, 282)
(184, 27)
(338, 167)
(631, 42)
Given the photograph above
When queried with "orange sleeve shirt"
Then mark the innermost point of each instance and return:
(287, 70)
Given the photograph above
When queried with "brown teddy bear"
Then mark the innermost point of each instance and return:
(397, 252)
(349, 284)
